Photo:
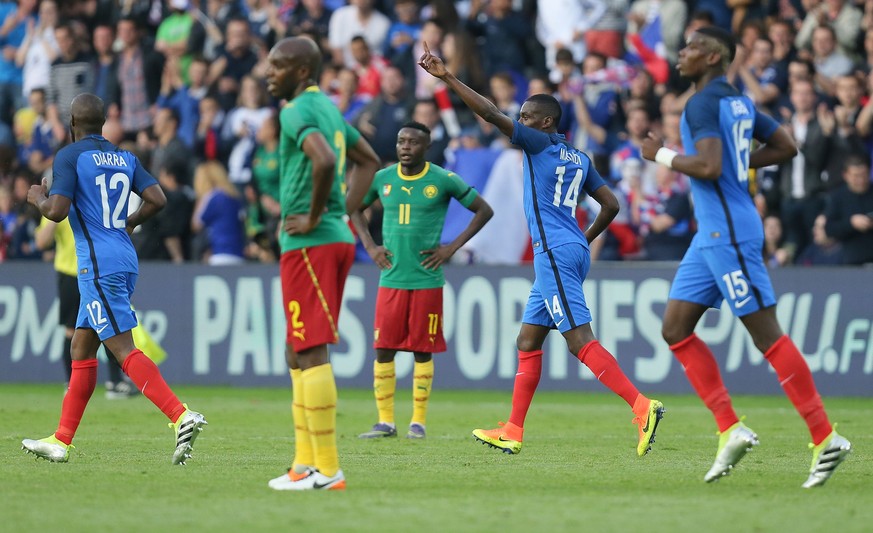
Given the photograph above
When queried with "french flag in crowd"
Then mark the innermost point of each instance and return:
(647, 47)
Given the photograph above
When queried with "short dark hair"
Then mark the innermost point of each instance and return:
(550, 105)
(723, 37)
(416, 126)
(358, 38)
(703, 15)
(856, 160)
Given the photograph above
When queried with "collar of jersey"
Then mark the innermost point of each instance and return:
(310, 89)
(403, 176)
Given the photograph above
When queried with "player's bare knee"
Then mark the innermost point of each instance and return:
(422, 357)
(674, 335)
(525, 343)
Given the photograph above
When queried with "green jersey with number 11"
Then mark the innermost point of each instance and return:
(414, 213)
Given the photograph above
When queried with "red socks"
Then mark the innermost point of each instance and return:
(796, 380)
(530, 366)
(606, 368)
(147, 378)
(83, 379)
(702, 371)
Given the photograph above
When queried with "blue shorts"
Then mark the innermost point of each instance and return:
(556, 300)
(105, 304)
(732, 272)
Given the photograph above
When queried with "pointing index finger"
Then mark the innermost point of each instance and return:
(426, 49)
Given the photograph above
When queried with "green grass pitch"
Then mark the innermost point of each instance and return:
(578, 470)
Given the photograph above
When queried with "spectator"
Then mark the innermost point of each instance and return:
(404, 31)
(426, 112)
(14, 22)
(139, 79)
(220, 214)
(627, 165)
(265, 171)
(71, 74)
(357, 18)
(840, 15)
(36, 144)
(264, 21)
(241, 127)
(663, 218)
(310, 17)
(829, 62)
(596, 108)
(236, 59)
(209, 146)
(823, 250)
(380, 120)
(185, 98)
(606, 37)
(106, 69)
(802, 182)
(504, 92)
(346, 96)
(846, 140)
(501, 33)
(563, 23)
(755, 74)
(849, 213)
(39, 49)
(8, 216)
(781, 34)
(368, 67)
(670, 14)
(775, 254)
(169, 150)
(425, 86)
(462, 59)
(180, 35)
(167, 235)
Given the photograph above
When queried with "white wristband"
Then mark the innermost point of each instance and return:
(665, 156)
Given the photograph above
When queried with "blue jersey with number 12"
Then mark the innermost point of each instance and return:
(98, 178)
(724, 208)
(554, 173)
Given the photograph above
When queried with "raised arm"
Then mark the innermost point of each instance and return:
(480, 105)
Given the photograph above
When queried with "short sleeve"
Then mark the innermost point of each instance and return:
(297, 122)
(701, 114)
(765, 126)
(530, 140)
(64, 174)
(460, 189)
(593, 180)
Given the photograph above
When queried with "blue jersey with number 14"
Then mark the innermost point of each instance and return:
(554, 173)
(98, 178)
(724, 208)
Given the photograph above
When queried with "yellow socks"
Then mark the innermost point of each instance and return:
(384, 386)
(303, 455)
(319, 399)
(422, 380)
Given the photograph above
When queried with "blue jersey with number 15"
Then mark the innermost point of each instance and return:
(724, 208)
(554, 174)
(98, 178)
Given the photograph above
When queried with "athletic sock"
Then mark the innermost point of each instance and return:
(303, 454)
(606, 368)
(797, 382)
(422, 381)
(702, 371)
(319, 398)
(384, 387)
(145, 375)
(83, 379)
(530, 367)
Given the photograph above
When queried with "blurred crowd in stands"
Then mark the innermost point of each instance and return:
(184, 85)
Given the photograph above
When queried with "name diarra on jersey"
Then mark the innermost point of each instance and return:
(107, 159)
(568, 155)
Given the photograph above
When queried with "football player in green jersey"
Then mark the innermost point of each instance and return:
(317, 250)
(415, 195)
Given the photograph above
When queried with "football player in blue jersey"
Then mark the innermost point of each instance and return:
(92, 183)
(725, 260)
(555, 174)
